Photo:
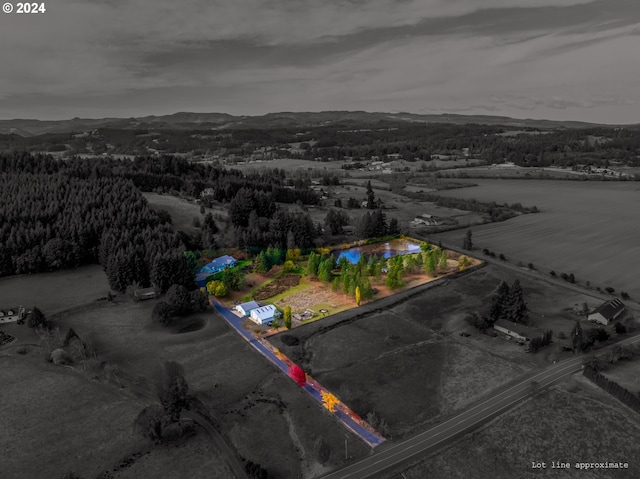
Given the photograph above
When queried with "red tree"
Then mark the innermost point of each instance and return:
(298, 375)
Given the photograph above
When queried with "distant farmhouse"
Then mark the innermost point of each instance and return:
(245, 308)
(12, 314)
(607, 312)
(264, 314)
(516, 330)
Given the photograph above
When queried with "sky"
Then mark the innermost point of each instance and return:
(552, 59)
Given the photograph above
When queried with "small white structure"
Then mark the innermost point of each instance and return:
(607, 312)
(245, 308)
(263, 314)
(12, 314)
(144, 294)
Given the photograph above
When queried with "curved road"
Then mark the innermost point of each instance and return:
(430, 440)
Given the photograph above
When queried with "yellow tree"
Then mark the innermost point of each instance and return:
(358, 297)
(463, 262)
(329, 401)
(287, 317)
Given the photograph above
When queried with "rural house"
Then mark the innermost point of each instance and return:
(515, 330)
(246, 308)
(607, 312)
(12, 314)
(263, 314)
(217, 265)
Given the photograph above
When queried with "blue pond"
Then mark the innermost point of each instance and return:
(384, 250)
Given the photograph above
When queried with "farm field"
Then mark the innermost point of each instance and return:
(54, 292)
(626, 374)
(586, 228)
(252, 401)
(182, 211)
(54, 420)
(572, 422)
(398, 206)
(416, 347)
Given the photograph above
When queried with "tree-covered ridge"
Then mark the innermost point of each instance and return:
(529, 147)
(168, 173)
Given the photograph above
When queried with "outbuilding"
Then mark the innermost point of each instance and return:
(246, 308)
(607, 312)
(263, 314)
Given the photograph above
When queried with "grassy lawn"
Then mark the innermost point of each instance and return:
(53, 292)
(573, 422)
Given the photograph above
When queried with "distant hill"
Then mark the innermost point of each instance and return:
(215, 121)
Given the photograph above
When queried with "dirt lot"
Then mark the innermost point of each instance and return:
(415, 347)
(573, 422)
(250, 398)
(53, 292)
(277, 286)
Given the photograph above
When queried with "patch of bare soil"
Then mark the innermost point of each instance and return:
(276, 287)
(316, 294)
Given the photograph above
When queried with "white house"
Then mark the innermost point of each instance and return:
(12, 314)
(263, 314)
(607, 312)
(245, 308)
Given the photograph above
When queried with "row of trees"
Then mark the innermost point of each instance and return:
(541, 341)
(583, 340)
(622, 394)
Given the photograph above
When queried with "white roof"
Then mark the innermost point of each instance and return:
(264, 312)
(248, 306)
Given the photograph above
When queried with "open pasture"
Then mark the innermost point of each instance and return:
(415, 347)
(586, 228)
(572, 422)
(54, 292)
(252, 401)
(181, 210)
(54, 420)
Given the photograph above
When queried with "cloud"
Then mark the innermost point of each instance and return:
(255, 56)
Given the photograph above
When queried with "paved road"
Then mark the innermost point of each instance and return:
(347, 417)
(430, 440)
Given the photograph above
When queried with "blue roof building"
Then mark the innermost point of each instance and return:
(217, 265)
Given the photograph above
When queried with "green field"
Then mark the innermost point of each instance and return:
(586, 228)
(53, 292)
(182, 211)
(252, 401)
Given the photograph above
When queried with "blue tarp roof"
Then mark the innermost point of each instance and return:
(217, 264)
